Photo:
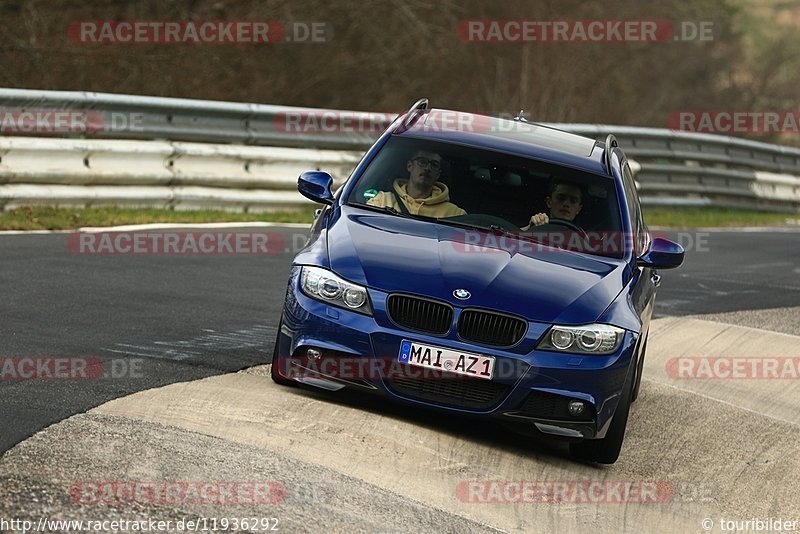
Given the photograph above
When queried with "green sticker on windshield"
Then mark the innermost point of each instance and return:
(370, 193)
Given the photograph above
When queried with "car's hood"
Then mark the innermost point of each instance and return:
(392, 253)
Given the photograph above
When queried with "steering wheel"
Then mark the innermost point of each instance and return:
(534, 230)
(569, 224)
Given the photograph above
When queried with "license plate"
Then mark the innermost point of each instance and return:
(452, 361)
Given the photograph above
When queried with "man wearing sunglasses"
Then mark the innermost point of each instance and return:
(565, 200)
(422, 193)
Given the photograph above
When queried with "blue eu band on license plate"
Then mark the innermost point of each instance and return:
(444, 359)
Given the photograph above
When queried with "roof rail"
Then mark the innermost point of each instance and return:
(611, 142)
(410, 116)
(422, 103)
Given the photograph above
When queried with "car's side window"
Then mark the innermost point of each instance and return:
(634, 209)
(630, 192)
(632, 200)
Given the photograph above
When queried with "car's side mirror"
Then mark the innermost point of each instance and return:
(662, 254)
(316, 186)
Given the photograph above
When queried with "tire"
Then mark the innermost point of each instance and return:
(639, 370)
(606, 450)
(274, 371)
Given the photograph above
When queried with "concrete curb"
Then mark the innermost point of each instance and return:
(715, 444)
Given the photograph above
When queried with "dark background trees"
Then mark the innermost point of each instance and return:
(384, 54)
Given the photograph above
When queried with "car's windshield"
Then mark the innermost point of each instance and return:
(463, 185)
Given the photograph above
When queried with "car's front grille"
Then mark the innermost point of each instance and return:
(548, 406)
(491, 328)
(452, 390)
(420, 314)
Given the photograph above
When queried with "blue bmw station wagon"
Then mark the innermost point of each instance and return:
(487, 267)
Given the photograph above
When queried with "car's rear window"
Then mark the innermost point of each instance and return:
(492, 187)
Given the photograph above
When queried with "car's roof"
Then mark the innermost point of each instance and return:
(517, 137)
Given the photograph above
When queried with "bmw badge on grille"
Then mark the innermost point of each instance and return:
(462, 294)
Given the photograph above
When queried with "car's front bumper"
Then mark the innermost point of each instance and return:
(530, 387)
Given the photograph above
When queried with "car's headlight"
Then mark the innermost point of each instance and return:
(324, 285)
(589, 339)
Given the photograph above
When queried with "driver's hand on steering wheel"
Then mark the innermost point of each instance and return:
(537, 220)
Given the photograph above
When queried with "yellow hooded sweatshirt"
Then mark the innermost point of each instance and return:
(436, 205)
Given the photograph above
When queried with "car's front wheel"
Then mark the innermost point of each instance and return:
(277, 362)
(607, 449)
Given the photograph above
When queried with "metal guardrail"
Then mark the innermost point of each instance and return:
(86, 172)
(178, 119)
(675, 168)
(680, 168)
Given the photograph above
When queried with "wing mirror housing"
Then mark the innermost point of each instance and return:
(316, 186)
(662, 254)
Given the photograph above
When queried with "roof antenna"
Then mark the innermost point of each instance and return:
(521, 116)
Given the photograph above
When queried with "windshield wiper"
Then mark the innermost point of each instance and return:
(394, 211)
(383, 209)
(492, 228)
(391, 210)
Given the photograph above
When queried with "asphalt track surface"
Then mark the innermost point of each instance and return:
(184, 318)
